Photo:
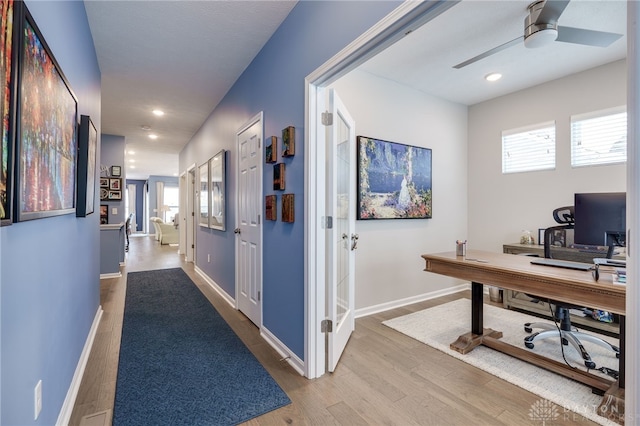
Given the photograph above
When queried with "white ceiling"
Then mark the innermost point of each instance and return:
(425, 58)
(183, 56)
(179, 56)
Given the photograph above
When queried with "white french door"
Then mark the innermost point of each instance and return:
(341, 237)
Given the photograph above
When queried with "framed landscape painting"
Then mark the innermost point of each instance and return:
(394, 180)
(47, 132)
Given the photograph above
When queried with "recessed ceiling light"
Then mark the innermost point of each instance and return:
(494, 76)
(153, 136)
(158, 112)
(145, 127)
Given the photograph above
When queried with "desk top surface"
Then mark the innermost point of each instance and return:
(517, 273)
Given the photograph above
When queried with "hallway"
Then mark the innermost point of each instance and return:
(383, 377)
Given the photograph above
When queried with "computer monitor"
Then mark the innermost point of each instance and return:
(600, 218)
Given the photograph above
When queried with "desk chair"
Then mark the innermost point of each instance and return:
(127, 230)
(553, 238)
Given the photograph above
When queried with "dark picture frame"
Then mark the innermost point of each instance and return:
(104, 214)
(46, 133)
(116, 171)
(87, 148)
(115, 195)
(104, 182)
(394, 180)
(115, 184)
(289, 141)
(278, 177)
(9, 36)
(217, 191)
(271, 149)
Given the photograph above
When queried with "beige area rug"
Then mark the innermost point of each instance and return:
(441, 325)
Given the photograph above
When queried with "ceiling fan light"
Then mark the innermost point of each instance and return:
(541, 38)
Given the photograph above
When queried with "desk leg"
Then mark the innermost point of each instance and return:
(477, 304)
(468, 341)
(612, 405)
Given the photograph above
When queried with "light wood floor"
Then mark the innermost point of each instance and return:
(383, 378)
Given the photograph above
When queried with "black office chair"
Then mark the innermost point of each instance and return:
(558, 244)
(127, 230)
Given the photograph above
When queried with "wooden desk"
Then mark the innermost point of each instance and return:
(517, 273)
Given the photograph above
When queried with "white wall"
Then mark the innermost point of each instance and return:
(388, 263)
(501, 206)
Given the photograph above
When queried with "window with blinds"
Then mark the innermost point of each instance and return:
(529, 148)
(599, 137)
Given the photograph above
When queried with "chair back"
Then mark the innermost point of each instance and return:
(559, 244)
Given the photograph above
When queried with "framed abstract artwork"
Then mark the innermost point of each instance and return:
(288, 210)
(394, 180)
(203, 192)
(9, 32)
(271, 149)
(46, 133)
(87, 146)
(270, 208)
(289, 141)
(278, 177)
(217, 193)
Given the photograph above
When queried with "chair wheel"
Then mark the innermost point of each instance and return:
(618, 355)
(590, 365)
(529, 345)
(565, 341)
(528, 329)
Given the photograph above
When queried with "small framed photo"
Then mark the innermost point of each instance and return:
(271, 149)
(104, 182)
(115, 195)
(104, 214)
(116, 171)
(114, 184)
(289, 141)
(288, 210)
(270, 208)
(278, 177)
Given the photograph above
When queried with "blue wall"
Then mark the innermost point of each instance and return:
(49, 269)
(112, 154)
(274, 83)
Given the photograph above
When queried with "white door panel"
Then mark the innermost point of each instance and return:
(249, 228)
(342, 239)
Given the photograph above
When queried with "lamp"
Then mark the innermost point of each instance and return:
(164, 209)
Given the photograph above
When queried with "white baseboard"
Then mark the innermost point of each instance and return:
(283, 350)
(110, 275)
(230, 300)
(67, 406)
(370, 310)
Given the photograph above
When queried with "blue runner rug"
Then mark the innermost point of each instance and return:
(180, 362)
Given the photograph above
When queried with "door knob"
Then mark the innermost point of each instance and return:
(236, 231)
(354, 241)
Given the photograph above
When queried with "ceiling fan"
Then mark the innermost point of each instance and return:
(541, 28)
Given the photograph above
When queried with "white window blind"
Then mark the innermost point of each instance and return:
(599, 137)
(529, 148)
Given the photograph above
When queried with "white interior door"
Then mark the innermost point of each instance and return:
(249, 227)
(190, 216)
(341, 239)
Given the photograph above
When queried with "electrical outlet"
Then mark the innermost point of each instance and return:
(37, 398)
(208, 258)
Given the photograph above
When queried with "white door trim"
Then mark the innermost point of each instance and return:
(408, 16)
(258, 118)
(190, 231)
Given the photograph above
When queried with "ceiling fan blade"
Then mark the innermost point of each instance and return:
(586, 37)
(489, 52)
(551, 11)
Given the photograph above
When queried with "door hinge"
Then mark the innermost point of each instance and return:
(259, 140)
(258, 295)
(327, 118)
(259, 219)
(193, 246)
(326, 326)
(192, 214)
(328, 222)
